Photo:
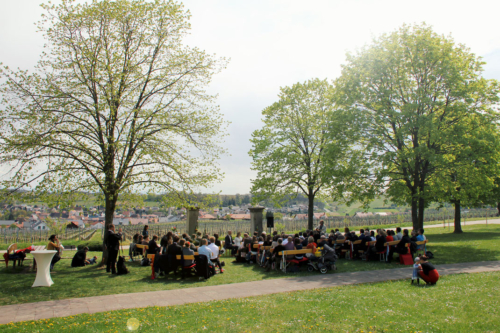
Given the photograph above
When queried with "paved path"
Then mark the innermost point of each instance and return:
(63, 308)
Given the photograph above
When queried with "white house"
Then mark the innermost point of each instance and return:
(39, 225)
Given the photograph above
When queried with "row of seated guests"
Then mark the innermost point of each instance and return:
(279, 243)
(302, 239)
(174, 245)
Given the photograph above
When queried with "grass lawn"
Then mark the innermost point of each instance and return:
(478, 243)
(458, 303)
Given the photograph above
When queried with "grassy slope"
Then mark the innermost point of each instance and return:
(479, 243)
(449, 306)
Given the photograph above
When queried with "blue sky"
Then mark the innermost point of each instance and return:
(275, 43)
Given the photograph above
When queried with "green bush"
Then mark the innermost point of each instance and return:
(93, 246)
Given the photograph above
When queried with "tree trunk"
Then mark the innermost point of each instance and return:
(498, 208)
(414, 213)
(310, 212)
(458, 226)
(421, 208)
(109, 213)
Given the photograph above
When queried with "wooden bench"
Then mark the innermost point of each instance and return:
(187, 257)
(285, 262)
(143, 247)
(423, 249)
(349, 254)
(380, 253)
(261, 250)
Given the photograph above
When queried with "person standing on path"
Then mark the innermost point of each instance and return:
(113, 245)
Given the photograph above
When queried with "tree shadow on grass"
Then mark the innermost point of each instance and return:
(466, 236)
(447, 254)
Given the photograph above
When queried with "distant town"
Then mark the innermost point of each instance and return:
(42, 217)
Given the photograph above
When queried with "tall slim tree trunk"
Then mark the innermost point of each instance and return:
(421, 208)
(498, 208)
(414, 213)
(310, 212)
(458, 217)
(109, 212)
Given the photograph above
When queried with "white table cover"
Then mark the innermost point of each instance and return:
(43, 260)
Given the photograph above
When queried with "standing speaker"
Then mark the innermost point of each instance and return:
(270, 221)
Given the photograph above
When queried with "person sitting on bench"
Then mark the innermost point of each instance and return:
(380, 241)
(204, 250)
(215, 253)
(398, 234)
(229, 243)
(322, 241)
(131, 249)
(186, 251)
(400, 247)
(153, 247)
(298, 246)
(420, 238)
(278, 248)
(268, 241)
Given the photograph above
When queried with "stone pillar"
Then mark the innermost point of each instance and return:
(192, 220)
(256, 219)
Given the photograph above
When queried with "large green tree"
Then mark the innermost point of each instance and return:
(470, 167)
(115, 105)
(412, 88)
(290, 152)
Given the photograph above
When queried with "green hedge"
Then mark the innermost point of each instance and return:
(93, 246)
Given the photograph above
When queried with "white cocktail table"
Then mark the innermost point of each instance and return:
(43, 260)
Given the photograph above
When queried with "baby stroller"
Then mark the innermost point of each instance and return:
(324, 263)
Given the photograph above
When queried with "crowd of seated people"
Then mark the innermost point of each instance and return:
(173, 245)
(242, 246)
(312, 239)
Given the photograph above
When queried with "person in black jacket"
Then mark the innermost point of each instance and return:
(165, 241)
(113, 245)
(173, 250)
(380, 241)
(276, 257)
(153, 247)
(400, 247)
(228, 243)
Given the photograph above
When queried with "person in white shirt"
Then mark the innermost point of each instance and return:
(205, 251)
(398, 234)
(215, 253)
(237, 240)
